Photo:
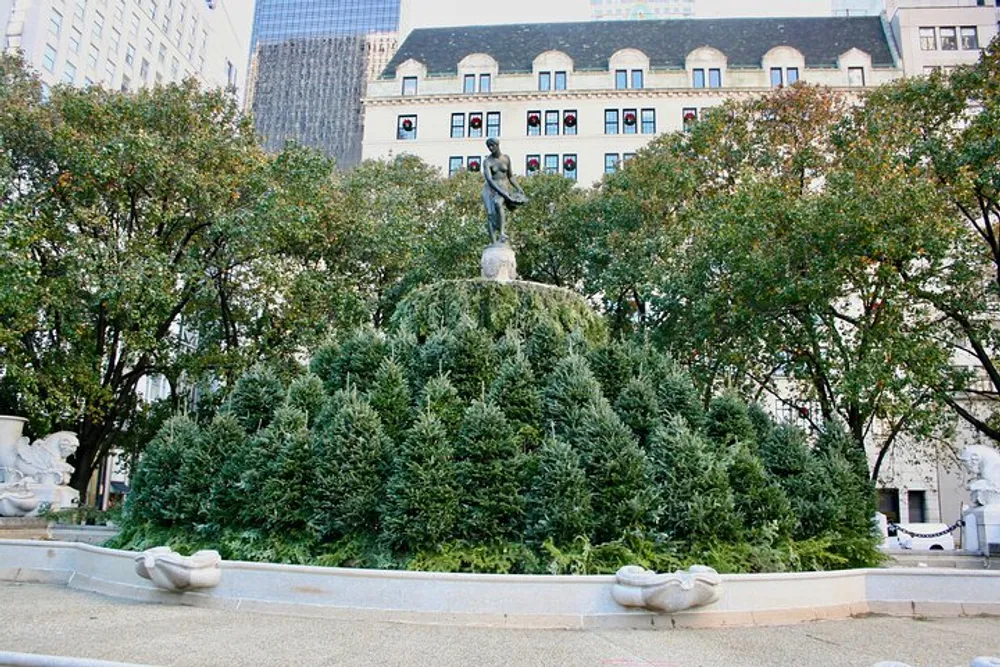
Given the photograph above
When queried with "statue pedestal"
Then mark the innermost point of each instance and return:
(499, 263)
(57, 497)
(982, 529)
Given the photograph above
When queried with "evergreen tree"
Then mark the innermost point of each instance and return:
(431, 360)
(698, 504)
(763, 423)
(546, 346)
(422, 494)
(469, 360)
(226, 443)
(288, 495)
(638, 408)
(571, 388)
(353, 451)
(307, 395)
(353, 360)
(489, 471)
(760, 502)
(390, 396)
(728, 423)
(846, 467)
(678, 397)
(516, 393)
(157, 494)
(621, 483)
(614, 365)
(510, 346)
(255, 398)
(440, 397)
(558, 504)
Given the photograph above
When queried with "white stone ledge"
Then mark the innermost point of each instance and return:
(34, 660)
(521, 601)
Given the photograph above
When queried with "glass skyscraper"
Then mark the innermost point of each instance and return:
(310, 66)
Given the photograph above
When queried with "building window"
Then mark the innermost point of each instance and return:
(544, 80)
(611, 121)
(534, 123)
(627, 157)
(469, 83)
(93, 56)
(81, 9)
(949, 41)
(888, 504)
(55, 22)
(485, 83)
(569, 166)
(474, 163)
(409, 85)
(689, 117)
(776, 79)
(970, 38)
(928, 40)
(130, 55)
(560, 81)
(493, 124)
(98, 26)
(698, 78)
(109, 70)
(126, 83)
(855, 76)
(630, 121)
(475, 125)
(917, 506)
(454, 165)
(569, 121)
(649, 121)
(532, 164)
(144, 70)
(69, 72)
(551, 122)
(792, 75)
(637, 79)
(610, 163)
(74, 39)
(406, 128)
(621, 79)
(551, 164)
(49, 58)
(115, 41)
(715, 78)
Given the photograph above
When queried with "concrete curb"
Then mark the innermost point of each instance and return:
(35, 660)
(517, 601)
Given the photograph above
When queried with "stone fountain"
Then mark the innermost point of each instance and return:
(34, 476)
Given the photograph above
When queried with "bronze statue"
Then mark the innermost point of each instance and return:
(501, 193)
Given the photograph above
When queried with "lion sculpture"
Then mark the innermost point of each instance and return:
(43, 462)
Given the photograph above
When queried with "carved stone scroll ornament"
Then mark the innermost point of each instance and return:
(173, 572)
(669, 593)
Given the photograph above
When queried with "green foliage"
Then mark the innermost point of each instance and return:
(354, 361)
(422, 495)
(559, 501)
(488, 468)
(571, 389)
(353, 451)
(441, 398)
(255, 398)
(728, 423)
(638, 409)
(515, 391)
(306, 394)
(158, 490)
(759, 501)
(390, 397)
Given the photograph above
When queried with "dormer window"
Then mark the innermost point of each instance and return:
(409, 85)
(544, 81)
(469, 84)
(560, 80)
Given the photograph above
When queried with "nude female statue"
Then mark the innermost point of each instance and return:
(500, 191)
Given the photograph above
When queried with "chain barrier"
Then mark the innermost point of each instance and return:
(955, 526)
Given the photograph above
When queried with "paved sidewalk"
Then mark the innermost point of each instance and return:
(36, 618)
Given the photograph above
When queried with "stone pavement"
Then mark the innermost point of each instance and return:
(36, 618)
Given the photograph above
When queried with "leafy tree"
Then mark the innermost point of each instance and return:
(559, 502)
(422, 495)
(488, 468)
(144, 234)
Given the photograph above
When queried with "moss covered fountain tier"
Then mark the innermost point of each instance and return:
(496, 307)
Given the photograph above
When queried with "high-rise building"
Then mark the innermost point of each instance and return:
(311, 61)
(129, 44)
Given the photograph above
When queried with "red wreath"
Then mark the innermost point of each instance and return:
(569, 164)
(473, 165)
(533, 164)
(804, 413)
(407, 124)
(689, 116)
(630, 119)
(570, 120)
(534, 120)
(476, 122)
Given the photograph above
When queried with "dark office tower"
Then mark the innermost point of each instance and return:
(311, 60)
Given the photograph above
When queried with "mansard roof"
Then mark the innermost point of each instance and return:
(666, 42)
